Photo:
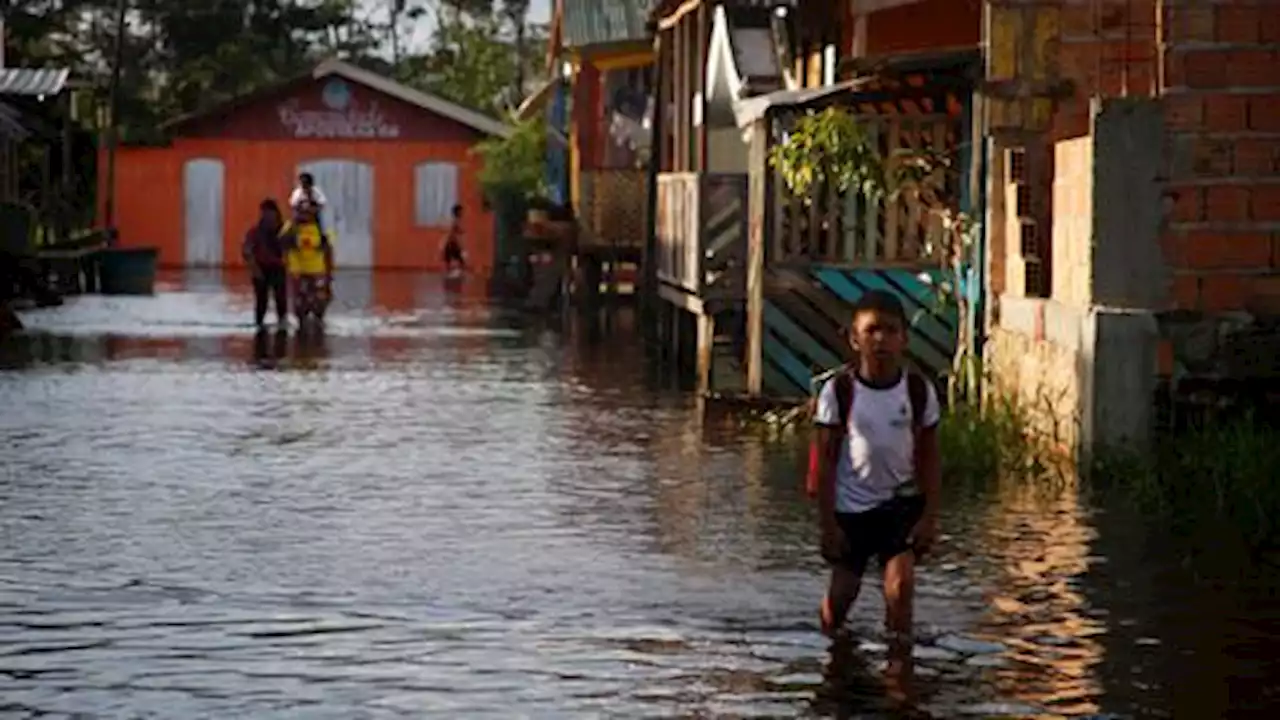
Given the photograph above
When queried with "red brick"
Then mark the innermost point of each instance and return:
(1257, 157)
(1264, 295)
(1078, 62)
(1226, 113)
(1070, 120)
(1226, 204)
(1077, 21)
(1200, 250)
(1205, 68)
(1190, 24)
(1252, 68)
(1269, 27)
(1186, 292)
(1264, 113)
(1188, 205)
(1184, 111)
(1237, 23)
(1212, 158)
(1266, 203)
(1223, 292)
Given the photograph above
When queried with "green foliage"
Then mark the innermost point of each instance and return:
(830, 148)
(516, 163)
(1220, 477)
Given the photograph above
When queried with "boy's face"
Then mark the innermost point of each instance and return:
(305, 181)
(878, 335)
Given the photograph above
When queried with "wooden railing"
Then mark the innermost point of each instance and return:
(830, 228)
(702, 231)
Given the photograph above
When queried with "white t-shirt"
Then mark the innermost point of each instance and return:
(880, 453)
(299, 195)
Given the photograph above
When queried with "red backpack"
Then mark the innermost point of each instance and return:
(916, 390)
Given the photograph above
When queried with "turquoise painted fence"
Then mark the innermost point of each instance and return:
(807, 312)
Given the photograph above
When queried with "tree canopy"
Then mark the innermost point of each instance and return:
(180, 56)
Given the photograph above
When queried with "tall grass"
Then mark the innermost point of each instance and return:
(1217, 477)
(1212, 480)
(981, 446)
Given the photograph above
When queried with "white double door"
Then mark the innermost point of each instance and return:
(348, 216)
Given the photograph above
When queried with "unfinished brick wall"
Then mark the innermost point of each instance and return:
(1221, 90)
(1215, 66)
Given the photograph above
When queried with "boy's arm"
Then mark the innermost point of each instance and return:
(829, 436)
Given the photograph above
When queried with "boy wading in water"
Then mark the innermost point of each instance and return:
(878, 476)
(451, 251)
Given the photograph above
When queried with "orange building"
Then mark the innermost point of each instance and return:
(391, 160)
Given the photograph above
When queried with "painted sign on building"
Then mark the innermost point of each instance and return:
(341, 116)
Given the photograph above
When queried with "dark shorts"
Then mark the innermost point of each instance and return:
(882, 532)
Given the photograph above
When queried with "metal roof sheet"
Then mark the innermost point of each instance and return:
(32, 82)
(599, 22)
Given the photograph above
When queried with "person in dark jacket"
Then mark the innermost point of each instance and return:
(264, 253)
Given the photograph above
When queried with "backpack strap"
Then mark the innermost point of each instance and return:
(844, 398)
(918, 393)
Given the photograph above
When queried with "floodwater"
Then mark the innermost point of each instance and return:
(445, 509)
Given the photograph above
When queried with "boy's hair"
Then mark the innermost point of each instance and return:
(457, 211)
(880, 301)
(306, 178)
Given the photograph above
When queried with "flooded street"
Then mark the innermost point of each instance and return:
(447, 509)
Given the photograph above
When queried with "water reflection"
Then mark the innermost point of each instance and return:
(442, 507)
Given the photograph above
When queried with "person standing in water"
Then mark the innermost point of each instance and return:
(264, 252)
(878, 474)
(310, 263)
(452, 250)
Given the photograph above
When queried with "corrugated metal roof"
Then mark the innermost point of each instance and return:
(32, 82)
(599, 22)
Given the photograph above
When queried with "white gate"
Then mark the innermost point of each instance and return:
(348, 186)
(202, 196)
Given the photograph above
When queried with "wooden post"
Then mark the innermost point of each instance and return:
(589, 276)
(706, 344)
(759, 197)
(113, 127)
(703, 41)
(657, 152)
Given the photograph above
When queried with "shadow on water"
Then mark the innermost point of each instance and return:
(440, 506)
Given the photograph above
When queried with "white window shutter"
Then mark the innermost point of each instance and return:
(435, 192)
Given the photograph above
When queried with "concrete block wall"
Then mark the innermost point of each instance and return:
(1073, 222)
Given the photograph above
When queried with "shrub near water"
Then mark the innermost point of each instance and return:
(982, 446)
(1221, 476)
(1210, 480)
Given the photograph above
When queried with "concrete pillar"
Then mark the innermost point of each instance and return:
(1118, 382)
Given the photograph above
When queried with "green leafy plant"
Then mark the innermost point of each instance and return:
(922, 177)
(832, 149)
(515, 164)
